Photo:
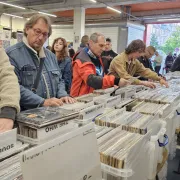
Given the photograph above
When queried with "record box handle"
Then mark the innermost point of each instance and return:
(96, 117)
(177, 112)
(166, 141)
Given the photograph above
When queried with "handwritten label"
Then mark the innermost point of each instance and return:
(54, 129)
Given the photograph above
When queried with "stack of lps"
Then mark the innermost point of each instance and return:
(38, 125)
(159, 95)
(123, 155)
(104, 91)
(76, 107)
(101, 131)
(161, 110)
(108, 101)
(86, 98)
(9, 155)
(126, 92)
(173, 75)
(129, 121)
(124, 103)
(114, 147)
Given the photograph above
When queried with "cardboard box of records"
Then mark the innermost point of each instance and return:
(159, 95)
(38, 125)
(149, 108)
(129, 121)
(9, 155)
(72, 156)
(123, 155)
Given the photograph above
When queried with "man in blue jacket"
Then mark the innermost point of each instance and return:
(26, 57)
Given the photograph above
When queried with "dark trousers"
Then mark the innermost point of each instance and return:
(157, 69)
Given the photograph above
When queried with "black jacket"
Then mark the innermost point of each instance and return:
(146, 62)
(169, 61)
(176, 65)
(107, 62)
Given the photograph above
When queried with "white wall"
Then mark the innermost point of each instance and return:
(17, 23)
(65, 33)
(5, 21)
(111, 32)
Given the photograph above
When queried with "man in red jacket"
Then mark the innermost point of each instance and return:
(88, 70)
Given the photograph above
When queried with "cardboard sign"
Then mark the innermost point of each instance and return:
(73, 156)
(7, 141)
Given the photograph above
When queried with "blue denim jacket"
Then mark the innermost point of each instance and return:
(26, 63)
(65, 66)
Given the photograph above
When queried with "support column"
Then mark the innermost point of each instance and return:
(122, 39)
(79, 26)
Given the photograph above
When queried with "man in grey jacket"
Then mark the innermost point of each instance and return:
(27, 56)
(9, 93)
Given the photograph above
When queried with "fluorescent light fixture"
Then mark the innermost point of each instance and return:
(13, 15)
(175, 19)
(113, 9)
(94, 1)
(7, 4)
(47, 14)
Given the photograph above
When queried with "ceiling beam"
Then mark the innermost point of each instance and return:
(69, 4)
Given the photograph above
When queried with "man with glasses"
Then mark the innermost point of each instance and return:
(88, 70)
(36, 67)
(145, 59)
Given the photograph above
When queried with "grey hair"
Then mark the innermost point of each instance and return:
(94, 36)
(33, 20)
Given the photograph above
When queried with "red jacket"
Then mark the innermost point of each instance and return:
(85, 79)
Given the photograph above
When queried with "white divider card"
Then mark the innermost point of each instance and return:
(73, 156)
(129, 93)
(111, 115)
(8, 140)
(91, 112)
(112, 101)
(77, 106)
(55, 129)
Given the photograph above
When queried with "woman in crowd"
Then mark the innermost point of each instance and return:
(59, 48)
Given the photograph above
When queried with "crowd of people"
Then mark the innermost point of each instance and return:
(33, 76)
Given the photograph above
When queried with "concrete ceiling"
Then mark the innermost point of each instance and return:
(141, 10)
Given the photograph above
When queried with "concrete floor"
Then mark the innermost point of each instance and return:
(173, 166)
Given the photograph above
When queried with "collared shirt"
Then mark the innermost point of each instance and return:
(120, 67)
(26, 61)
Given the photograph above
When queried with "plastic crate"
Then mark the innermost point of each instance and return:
(109, 172)
(155, 150)
(134, 162)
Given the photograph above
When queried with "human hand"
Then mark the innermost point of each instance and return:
(163, 82)
(6, 124)
(123, 82)
(148, 84)
(53, 102)
(68, 100)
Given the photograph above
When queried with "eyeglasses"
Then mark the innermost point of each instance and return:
(38, 32)
(151, 54)
(140, 51)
